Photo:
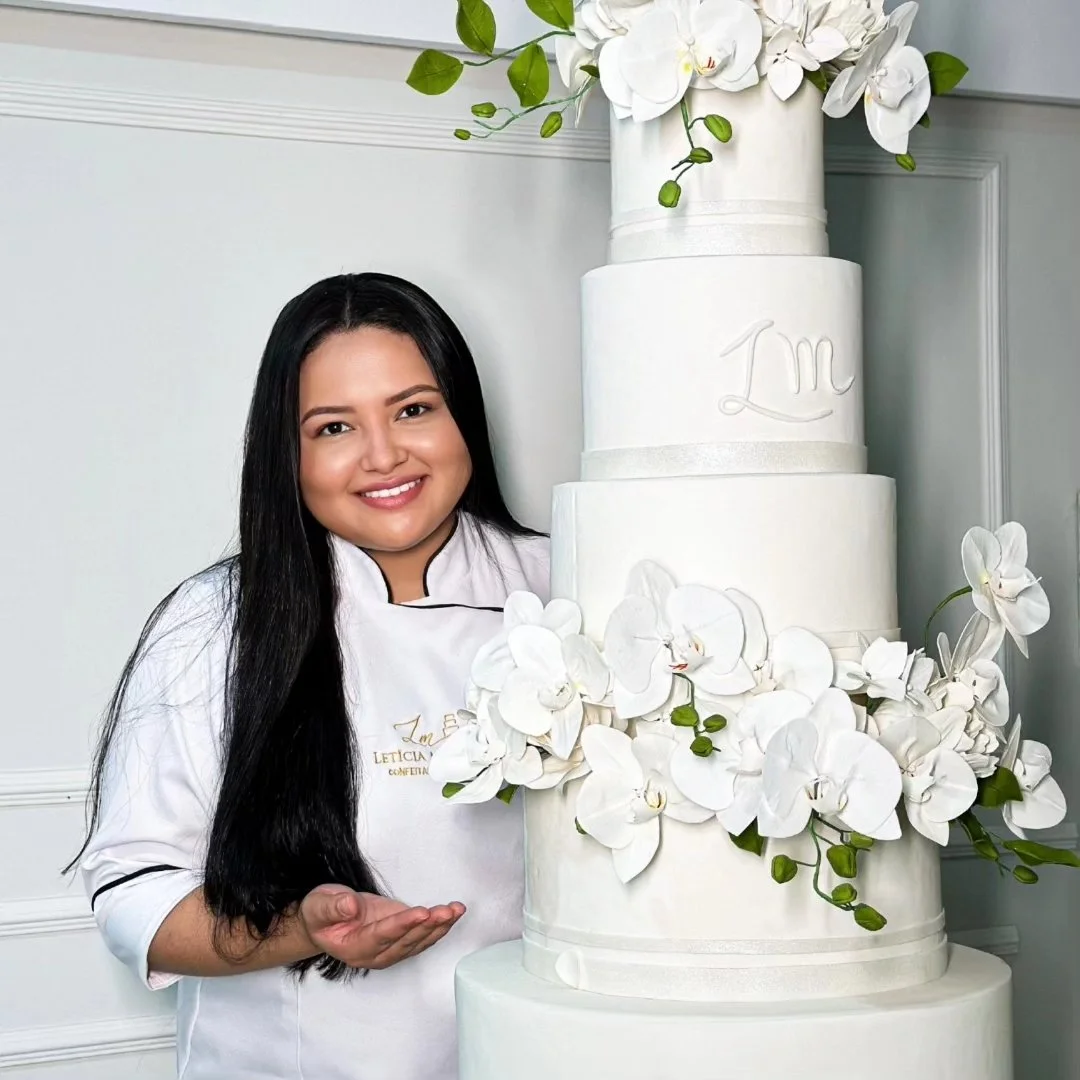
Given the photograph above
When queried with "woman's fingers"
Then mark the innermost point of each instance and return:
(421, 937)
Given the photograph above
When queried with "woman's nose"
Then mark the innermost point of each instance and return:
(382, 453)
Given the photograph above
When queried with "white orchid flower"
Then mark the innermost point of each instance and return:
(979, 744)
(661, 630)
(629, 788)
(1044, 801)
(970, 680)
(728, 781)
(483, 754)
(797, 42)
(892, 79)
(938, 784)
(823, 764)
(1002, 587)
(676, 44)
(571, 57)
(597, 21)
(882, 672)
(860, 21)
(493, 661)
(552, 679)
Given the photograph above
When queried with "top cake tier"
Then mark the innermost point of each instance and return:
(763, 194)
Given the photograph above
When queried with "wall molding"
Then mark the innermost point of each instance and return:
(81, 1042)
(221, 116)
(45, 915)
(997, 940)
(43, 787)
(1065, 837)
(988, 172)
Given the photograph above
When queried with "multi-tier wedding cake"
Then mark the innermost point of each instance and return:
(737, 773)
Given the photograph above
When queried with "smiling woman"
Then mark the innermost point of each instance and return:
(251, 812)
(387, 464)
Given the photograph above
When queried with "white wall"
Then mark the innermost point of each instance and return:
(164, 189)
(154, 215)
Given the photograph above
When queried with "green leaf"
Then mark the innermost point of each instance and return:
(577, 825)
(817, 78)
(860, 842)
(699, 155)
(529, 76)
(749, 839)
(985, 848)
(718, 127)
(484, 109)
(476, 26)
(434, 72)
(506, 794)
(1025, 875)
(669, 194)
(924, 120)
(783, 869)
(844, 894)
(558, 13)
(685, 716)
(1038, 854)
(715, 723)
(702, 746)
(552, 123)
(463, 134)
(591, 69)
(450, 790)
(972, 826)
(868, 918)
(1000, 788)
(907, 163)
(842, 859)
(946, 71)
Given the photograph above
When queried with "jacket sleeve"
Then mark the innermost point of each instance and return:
(159, 783)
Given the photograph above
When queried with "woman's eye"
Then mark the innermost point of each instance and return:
(335, 427)
(415, 409)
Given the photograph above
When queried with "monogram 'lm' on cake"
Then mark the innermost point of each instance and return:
(737, 774)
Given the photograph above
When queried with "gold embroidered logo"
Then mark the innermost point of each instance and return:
(412, 756)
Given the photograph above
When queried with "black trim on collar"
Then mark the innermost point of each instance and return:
(435, 554)
(432, 607)
(130, 877)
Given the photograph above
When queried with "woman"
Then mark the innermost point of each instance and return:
(260, 805)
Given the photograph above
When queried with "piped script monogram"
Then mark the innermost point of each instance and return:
(816, 357)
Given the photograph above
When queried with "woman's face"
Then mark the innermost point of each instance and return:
(382, 463)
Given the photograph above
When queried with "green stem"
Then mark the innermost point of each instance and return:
(686, 122)
(517, 48)
(817, 867)
(940, 608)
(491, 129)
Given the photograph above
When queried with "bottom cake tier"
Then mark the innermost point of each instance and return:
(512, 1024)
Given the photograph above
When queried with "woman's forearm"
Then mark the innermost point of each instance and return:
(185, 943)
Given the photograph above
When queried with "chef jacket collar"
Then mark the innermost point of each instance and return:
(447, 579)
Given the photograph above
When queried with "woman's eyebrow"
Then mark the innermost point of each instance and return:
(322, 410)
(418, 388)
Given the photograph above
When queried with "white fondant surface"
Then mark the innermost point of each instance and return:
(512, 1024)
(763, 193)
(696, 353)
(815, 551)
(705, 920)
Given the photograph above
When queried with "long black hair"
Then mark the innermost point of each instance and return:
(286, 813)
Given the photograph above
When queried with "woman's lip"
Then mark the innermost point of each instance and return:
(394, 502)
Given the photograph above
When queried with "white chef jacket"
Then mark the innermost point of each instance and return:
(405, 671)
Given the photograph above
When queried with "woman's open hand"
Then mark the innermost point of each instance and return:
(365, 930)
